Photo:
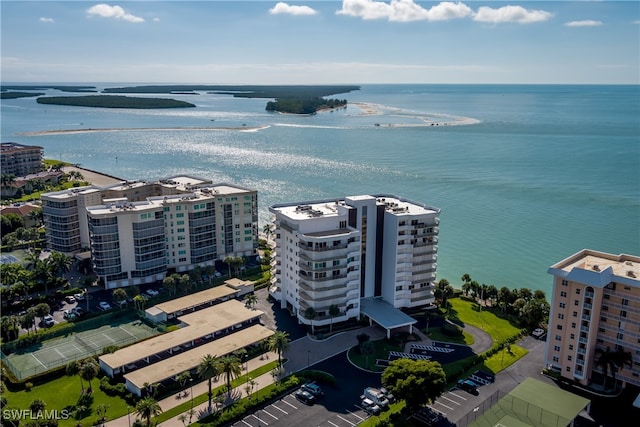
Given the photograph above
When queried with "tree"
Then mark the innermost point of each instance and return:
(183, 378)
(183, 282)
(310, 314)
(279, 343)
(267, 230)
(60, 263)
(169, 284)
(140, 302)
(119, 296)
(42, 309)
(231, 367)
(88, 370)
(208, 369)
(37, 405)
(250, 300)
(417, 382)
(367, 349)
(147, 408)
(334, 311)
(228, 260)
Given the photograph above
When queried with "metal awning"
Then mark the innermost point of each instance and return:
(385, 315)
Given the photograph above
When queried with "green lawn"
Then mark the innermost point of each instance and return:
(467, 312)
(64, 392)
(381, 351)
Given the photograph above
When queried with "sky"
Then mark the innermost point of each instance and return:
(320, 42)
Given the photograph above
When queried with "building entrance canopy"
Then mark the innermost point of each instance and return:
(385, 315)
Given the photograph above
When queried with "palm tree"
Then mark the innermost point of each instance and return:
(267, 230)
(334, 311)
(183, 378)
(310, 314)
(89, 370)
(73, 368)
(279, 342)
(228, 260)
(209, 367)
(231, 367)
(250, 300)
(119, 296)
(147, 408)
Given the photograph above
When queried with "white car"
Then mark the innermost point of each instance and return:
(369, 406)
(78, 297)
(103, 305)
(48, 320)
(152, 292)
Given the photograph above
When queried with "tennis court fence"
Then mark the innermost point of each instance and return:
(83, 350)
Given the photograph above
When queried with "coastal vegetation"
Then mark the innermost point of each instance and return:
(110, 101)
(16, 94)
(243, 91)
(304, 106)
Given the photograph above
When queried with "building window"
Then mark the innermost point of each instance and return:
(569, 358)
(573, 325)
(565, 283)
(559, 327)
(570, 346)
(398, 288)
(620, 336)
(623, 313)
(568, 369)
(560, 316)
(563, 294)
(577, 291)
(573, 336)
(556, 348)
(575, 314)
(576, 302)
(558, 338)
(556, 359)
(562, 305)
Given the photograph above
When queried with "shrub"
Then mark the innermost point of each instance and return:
(28, 386)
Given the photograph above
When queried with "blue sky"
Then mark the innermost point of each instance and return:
(321, 42)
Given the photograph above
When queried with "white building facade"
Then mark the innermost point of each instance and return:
(331, 253)
(181, 227)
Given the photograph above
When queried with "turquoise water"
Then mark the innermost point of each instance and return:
(540, 173)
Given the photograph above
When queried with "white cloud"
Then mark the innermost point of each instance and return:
(47, 20)
(116, 12)
(403, 10)
(284, 8)
(585, 23)
(510, 13)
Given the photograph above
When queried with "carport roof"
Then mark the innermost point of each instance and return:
(190, 359)
(200, 323)
(198, 298)
(384, 313)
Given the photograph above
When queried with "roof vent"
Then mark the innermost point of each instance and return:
(630, 273)
(596, 267)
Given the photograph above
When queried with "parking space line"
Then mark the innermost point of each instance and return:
(333, 424)
(346, 421)
(439, 403)
(259, 420)
(246, 423)
(282, 410)
(450, 400)
(355, 415)
(459, 397)
(269, 414)
(284, 401)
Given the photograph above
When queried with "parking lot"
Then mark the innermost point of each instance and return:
(289, 411)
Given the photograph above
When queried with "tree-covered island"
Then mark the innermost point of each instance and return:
(114, 101)
(304, 106)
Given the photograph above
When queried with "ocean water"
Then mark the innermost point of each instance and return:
(525, 175)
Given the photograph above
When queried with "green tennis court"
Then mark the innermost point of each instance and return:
(60, 351)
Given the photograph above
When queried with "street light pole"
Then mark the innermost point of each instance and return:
(308, 358)
(128, 416)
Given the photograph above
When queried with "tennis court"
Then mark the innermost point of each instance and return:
(60, 351)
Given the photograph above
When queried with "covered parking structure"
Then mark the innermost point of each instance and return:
(200, 327)
(386, 315)
(169, 368)
(190, 303)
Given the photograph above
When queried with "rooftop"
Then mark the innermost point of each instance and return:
(599, 268)
(195, 299)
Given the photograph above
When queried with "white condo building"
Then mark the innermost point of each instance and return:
(337, 253)
(137, 231)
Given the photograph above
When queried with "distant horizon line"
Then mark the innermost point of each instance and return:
(67, 83)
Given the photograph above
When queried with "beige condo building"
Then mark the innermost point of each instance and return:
(595, 316)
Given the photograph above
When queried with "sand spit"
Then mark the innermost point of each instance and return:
(96, 130)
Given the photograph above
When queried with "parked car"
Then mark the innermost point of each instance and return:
(538, 332)
(68, 314)
(70, 299)
(376, 396)
(152, 292)
(305, 397)
(428, 416)
(78, 311)
(370, 407)
(48, 320)
(312, 388)
(103, 305)
(468, 386)
(78, 297)
(390, 397)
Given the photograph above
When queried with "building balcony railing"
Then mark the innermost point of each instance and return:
(583, 340)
